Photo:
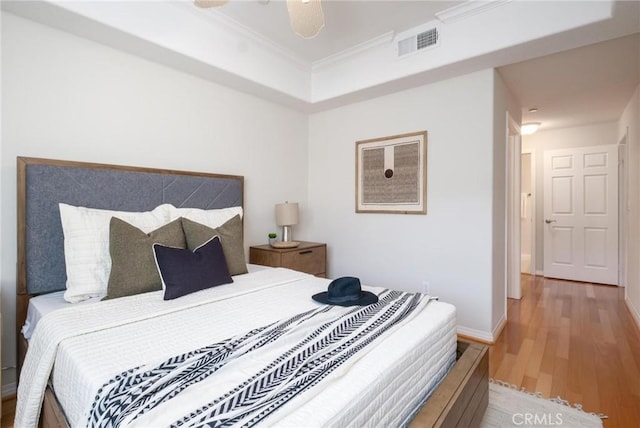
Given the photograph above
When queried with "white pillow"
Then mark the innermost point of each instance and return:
(211, 218)
(86, 245)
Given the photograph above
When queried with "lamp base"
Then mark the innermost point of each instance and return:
(287, 234)
(285, 244)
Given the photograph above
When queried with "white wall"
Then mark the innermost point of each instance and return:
(631, 120)
(582, 136)
(2, 379)
(503, 102)
(451, 246)
(69, 98)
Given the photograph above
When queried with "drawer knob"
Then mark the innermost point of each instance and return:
(306, 252)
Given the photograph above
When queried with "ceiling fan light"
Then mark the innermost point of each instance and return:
(306, 17)
(209, 3)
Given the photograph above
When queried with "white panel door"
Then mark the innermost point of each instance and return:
(581, 214)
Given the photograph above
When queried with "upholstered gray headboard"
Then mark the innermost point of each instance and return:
(43, 183)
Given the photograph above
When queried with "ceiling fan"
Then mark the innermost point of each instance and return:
(305, 16)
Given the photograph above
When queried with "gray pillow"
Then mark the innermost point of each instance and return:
(230, 234)
(133, 266)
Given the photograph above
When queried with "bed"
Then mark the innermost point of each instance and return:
(92, 345)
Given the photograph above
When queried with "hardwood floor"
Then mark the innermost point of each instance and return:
(8, 411)
(573, 340)
(566, 339)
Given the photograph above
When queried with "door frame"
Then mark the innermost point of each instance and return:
(623, 205)
(534, 194)
(512, 207)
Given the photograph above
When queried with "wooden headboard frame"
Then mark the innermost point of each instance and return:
(43, 183)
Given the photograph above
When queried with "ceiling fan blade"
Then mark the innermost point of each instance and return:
(210, 3)
(306, 17)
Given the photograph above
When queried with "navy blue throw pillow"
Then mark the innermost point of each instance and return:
(184, 272)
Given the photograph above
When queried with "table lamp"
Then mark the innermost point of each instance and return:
(287, 216)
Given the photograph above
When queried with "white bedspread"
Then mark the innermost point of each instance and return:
(92, 343)
(43, 304)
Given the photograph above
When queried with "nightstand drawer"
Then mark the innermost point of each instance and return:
(311, 260)
(308, 257)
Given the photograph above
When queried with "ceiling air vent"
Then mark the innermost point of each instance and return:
(418, 42)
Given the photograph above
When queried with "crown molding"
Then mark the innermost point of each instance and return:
(218, 19)
(347, 54)
(456, 13)
(467, 9)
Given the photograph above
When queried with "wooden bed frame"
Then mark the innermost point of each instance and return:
(459, 401)
(462, 397)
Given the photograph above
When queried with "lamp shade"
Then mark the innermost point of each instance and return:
(287, 214)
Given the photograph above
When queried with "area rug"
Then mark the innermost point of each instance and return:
(510, 407)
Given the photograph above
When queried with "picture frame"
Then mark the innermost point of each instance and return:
(391, 174)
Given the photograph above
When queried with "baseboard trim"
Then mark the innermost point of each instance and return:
(635, 314)
(499, 327)
(475, 335)
(9, 397)
(483, 336)
(9, 389)
(539, 273)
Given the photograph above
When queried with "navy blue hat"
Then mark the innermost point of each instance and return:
(345, 291)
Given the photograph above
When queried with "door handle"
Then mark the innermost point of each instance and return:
(546, 220)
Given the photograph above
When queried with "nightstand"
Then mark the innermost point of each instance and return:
(309, 257)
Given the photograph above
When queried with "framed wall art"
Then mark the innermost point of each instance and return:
(391, 174)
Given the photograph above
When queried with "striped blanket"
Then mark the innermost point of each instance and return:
(309, 346)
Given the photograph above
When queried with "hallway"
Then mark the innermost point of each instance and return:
(573, 340)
